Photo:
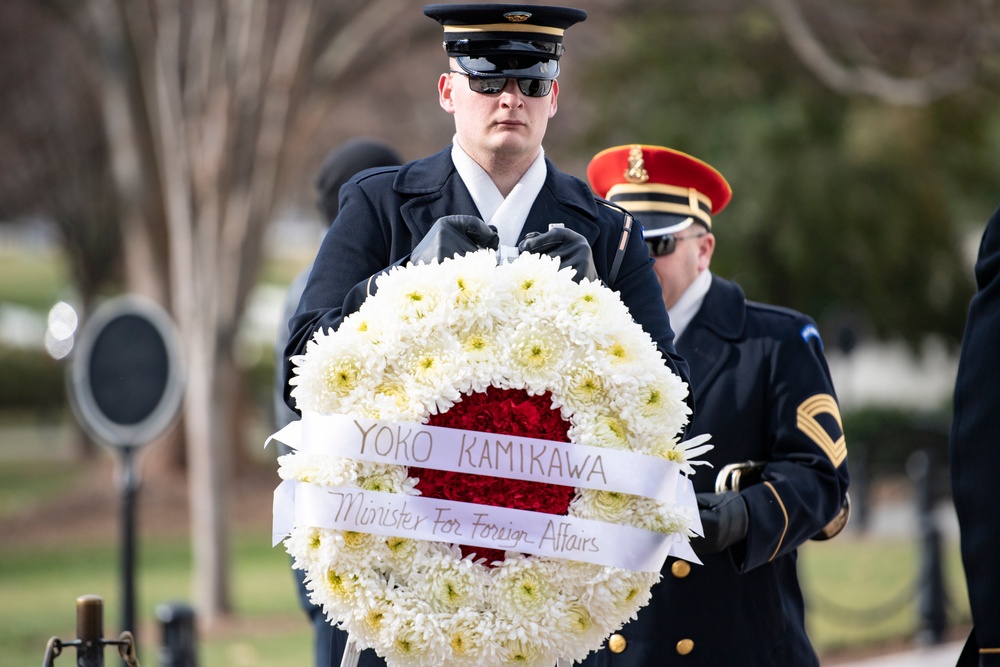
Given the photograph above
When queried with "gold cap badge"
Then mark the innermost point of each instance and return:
(517, 17)
(636, 172)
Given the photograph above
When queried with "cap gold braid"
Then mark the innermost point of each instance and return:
(506, 27)
(696, 206)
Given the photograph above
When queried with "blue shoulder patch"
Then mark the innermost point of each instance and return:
(810, 331)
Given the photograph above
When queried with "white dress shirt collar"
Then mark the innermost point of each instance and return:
(507, 215)
(682, 312)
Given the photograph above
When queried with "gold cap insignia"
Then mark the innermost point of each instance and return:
(636, 172)
(517, 17)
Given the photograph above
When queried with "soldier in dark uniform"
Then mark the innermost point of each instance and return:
(975, 454)
(501, 87)
(763, 391)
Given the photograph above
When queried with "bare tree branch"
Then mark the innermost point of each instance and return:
(353, 37)
(870, 80)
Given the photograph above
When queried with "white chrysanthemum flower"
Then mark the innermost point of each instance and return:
(533, 284)
(314, 468)
(520, 589)
(684, 453)
(663, 518)
(526, 653)
(585, 389)
(447, 584)
(330, 376)
(537, 355)
(341, 585)
(430, 367)
(601, 430)
(478, 345)
(413, 638)
(385, 478)
(626, 353)
(660, 404)
(304, 544)
(594, 314)
(615, 594)
(370, 617)
(415, 299)
(607, 506)
(368, 329)
(657, 405)
(392, 401)
(353, 552)
(403, 555)
(470, 289)
(469, 634)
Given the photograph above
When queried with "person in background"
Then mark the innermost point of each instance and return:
(763, 391)
(343, 162)
(975, 454)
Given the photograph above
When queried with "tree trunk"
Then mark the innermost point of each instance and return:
(208, 444)
(198, 101)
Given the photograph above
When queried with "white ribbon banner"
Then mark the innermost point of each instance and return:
(479, 453)
(420, 518)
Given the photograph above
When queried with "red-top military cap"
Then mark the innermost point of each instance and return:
(666, 190)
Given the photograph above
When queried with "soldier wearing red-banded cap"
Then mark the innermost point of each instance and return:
(763, 391)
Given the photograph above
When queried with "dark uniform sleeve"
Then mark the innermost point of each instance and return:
(975, 451)
(639, 290)
(355, 249)
(806, 477)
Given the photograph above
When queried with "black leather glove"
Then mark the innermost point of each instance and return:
(724, 518)
(454, 235)
(570, 247)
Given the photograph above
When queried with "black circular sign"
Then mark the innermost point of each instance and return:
(126, 382)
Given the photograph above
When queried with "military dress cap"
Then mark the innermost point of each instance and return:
(522, 41)
(666, 190)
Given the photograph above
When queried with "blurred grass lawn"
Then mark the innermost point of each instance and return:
(844, 580)
(39, 586)
(35, 279)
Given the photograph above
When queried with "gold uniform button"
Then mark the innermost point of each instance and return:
(680, 569)
(685, 646)
(616, 643)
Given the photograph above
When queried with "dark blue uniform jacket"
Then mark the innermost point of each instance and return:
(385, 212)
(975, 453)
(763, 391)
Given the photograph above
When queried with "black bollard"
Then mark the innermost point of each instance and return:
(860, 485)
(179, 648)
(931, 590)
(90, 631)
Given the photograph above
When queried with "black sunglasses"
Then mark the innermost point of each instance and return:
(492, 85)
(666, 244)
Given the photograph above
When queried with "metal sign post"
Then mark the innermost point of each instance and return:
(125, 388)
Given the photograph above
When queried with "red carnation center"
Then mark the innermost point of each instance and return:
(503, 412)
